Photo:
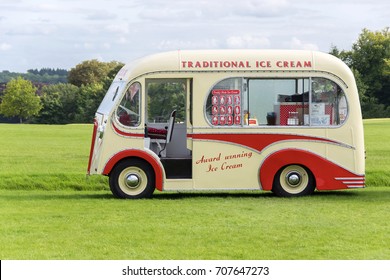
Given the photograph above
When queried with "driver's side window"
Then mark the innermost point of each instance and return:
(128, 112)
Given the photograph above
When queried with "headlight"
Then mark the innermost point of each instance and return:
(101, 131)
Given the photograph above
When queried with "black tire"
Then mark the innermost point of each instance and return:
(132, 178)
(293, 180)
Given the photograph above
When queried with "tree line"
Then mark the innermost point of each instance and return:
(58, 96)
(44, 75)
(58, 102)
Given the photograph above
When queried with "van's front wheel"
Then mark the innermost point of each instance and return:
(132, 178)
(293, 180)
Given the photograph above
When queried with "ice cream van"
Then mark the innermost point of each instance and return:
(274, 120)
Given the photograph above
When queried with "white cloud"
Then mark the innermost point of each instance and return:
(121, 28)
(176, 44)
(295, 43)
(32, 30)
(122, 40)
(266, 8)
(168, 14)
(88, 46)
(55, 30)
(248, 41)
(5, 47)
(101, 15)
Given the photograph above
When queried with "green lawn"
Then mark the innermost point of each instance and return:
(377, 141)
(93, 225)
(49, 157)
(50, 211)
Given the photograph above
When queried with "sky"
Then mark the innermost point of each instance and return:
(38, 34)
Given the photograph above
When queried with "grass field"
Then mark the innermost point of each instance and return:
(46, 157)
(377, 141)
(49, 210)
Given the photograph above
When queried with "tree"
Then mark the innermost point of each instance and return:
(60, 104)
(89, 98)
(370, 57)
(93, 78)
(66, 103)
(369, 60)
(346, 56)
(91, 72)
(20, 100)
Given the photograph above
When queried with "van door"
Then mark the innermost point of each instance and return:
(166, 102)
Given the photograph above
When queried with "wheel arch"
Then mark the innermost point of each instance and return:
(133, 153)
(274, 162)
(326, 174)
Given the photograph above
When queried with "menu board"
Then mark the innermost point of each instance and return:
(226, 107)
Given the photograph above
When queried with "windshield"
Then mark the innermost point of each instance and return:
(128, 112)
(112, 95)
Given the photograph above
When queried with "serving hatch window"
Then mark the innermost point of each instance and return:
(277, 101)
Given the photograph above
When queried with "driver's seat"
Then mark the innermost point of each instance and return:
(171, 124)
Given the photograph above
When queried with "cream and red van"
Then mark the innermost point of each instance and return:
(283, 121)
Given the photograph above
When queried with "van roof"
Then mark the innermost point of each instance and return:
(233, 60)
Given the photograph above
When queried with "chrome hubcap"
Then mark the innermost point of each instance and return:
(293, 179)
(133, 181)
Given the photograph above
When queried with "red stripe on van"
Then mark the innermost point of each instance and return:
(95, 128)
(127, 134)
(257, 141)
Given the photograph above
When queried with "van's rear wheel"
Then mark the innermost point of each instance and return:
(132, 178)
(293, 180)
